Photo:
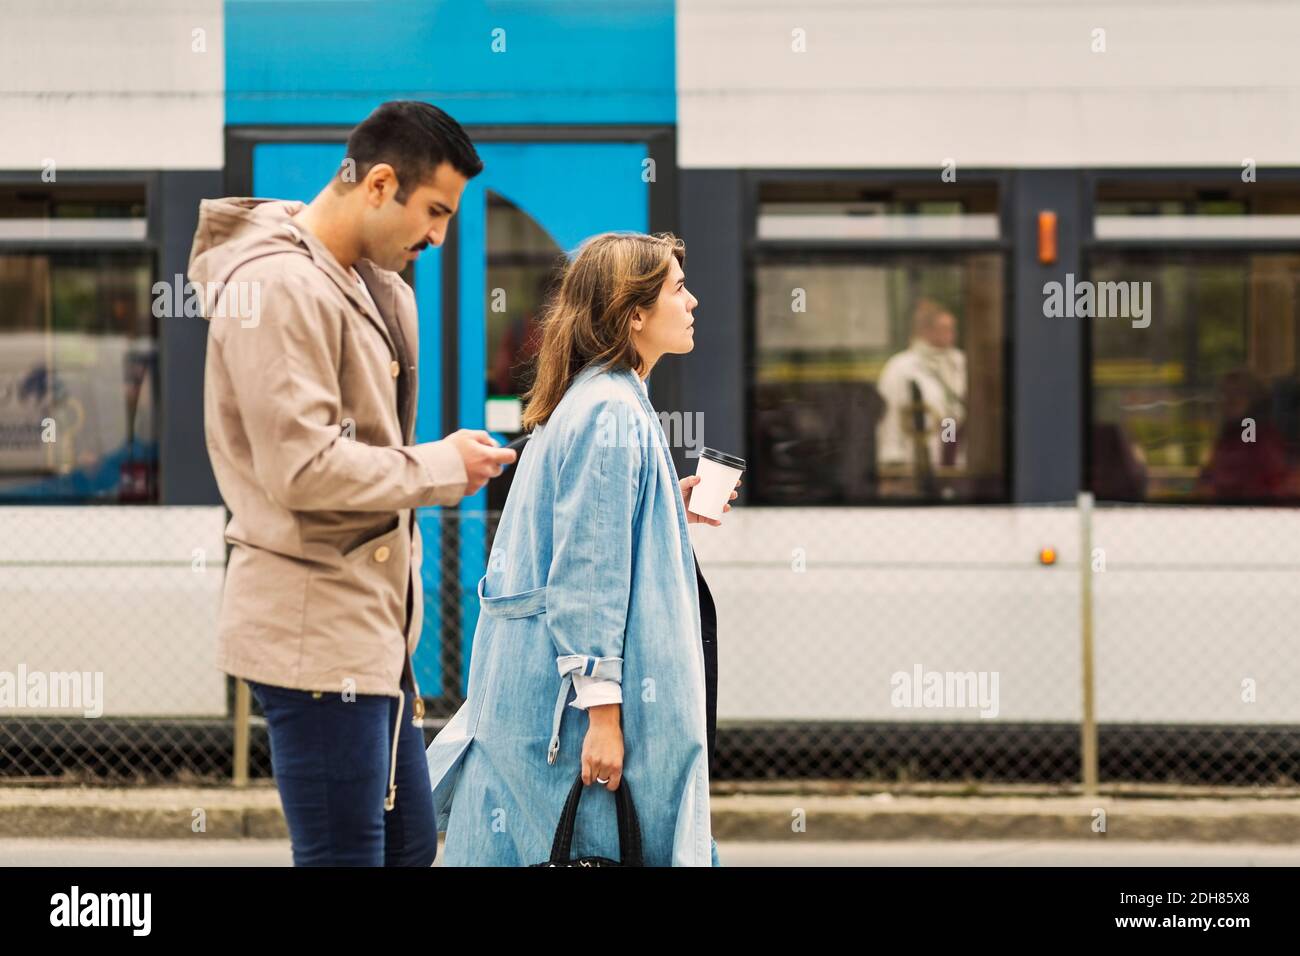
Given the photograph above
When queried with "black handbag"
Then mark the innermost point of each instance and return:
(629, 831)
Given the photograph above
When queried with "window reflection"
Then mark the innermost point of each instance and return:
(879, 376)
(523, 262)
(78, 377)
(1202, 404)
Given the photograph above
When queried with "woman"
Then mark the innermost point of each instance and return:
(591, 594)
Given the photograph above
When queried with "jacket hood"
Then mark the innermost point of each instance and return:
(232, 232)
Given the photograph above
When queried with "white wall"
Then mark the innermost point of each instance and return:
(119, 592)
(886, 83)
(1192, 602)
(92, 84)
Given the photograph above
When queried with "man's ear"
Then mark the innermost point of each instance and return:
(379, 183)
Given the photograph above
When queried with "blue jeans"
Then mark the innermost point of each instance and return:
(331, 763)
(714, 850)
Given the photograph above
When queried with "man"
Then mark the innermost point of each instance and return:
(924, 390)
(309, 407)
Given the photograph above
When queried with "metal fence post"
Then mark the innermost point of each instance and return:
(1088, 730)
(243, 708)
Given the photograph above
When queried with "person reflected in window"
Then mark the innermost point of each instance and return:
(1119, 468)
(924, 391)
(1248, 460)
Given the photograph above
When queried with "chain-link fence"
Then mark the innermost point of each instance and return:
(897, 644)
(1197, 668)
(107, 644)
(948, 645)
(882, 645)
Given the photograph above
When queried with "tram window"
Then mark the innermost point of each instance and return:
(830, 211)
(524, 263)
(878, 363)
(78, 347)
(1200, 400)
(879, 379)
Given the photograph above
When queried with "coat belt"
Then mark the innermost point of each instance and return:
(606, 668)
(523, 604)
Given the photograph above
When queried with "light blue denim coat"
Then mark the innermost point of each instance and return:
(591, 572)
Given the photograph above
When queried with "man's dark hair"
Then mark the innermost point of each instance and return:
(414, 138)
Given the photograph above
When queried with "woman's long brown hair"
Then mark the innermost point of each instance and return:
(589, 318)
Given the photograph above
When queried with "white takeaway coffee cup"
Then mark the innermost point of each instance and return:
(718, 473)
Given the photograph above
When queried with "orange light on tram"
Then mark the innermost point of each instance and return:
(1046, 237)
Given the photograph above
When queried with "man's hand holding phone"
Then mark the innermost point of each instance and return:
(483, 458)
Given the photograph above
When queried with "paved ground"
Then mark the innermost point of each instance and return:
(162, 813)
(807, 827)
(201, 852)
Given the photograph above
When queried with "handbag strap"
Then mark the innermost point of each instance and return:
(629, 828)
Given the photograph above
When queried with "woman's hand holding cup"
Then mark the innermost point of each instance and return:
(691, 517)
(714, 483)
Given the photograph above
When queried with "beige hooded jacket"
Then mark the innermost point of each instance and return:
(312, 456)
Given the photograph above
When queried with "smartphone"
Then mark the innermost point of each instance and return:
(517, 446)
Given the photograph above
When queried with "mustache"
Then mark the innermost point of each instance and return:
(419, 246)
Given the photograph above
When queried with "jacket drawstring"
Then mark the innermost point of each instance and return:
(392, 766)
(417, 701)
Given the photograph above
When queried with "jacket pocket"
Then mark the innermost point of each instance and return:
(370, 536)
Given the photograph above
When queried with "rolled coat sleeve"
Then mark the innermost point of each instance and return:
(284, 373)
(594, 691)
(588, 586)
